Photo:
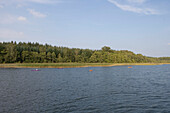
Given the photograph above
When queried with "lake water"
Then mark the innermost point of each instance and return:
(119, 89)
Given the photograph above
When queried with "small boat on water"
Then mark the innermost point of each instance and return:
(90, 70)
(35, 70)
(129, 67)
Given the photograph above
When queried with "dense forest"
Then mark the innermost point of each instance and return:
(12, 52)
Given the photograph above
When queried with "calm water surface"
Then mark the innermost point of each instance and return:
(141, 89)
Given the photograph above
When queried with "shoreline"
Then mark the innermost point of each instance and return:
(71, 65)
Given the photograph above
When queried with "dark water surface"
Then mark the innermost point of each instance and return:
(141, 89)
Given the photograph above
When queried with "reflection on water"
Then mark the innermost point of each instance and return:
(116, 89)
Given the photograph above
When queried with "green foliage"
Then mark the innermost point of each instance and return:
(164, 59)
(59, 59)
(106, 49)
(49, 57)
(53, 56)
(11, 52)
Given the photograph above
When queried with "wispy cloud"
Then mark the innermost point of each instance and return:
(168, 43)
(36, 14)
(21, 18)
(10, 34)
(10, 19)
(146, 11)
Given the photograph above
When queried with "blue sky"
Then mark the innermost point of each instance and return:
(141, 26)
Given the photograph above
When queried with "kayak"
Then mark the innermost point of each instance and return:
(35, 70)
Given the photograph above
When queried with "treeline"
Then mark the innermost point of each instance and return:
(165, 59)
(12, 52)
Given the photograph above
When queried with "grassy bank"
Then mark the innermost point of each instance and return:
(69, 65)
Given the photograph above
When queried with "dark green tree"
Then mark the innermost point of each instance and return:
(106, 49)
(53, 57)
(59, 59)
(11, 54)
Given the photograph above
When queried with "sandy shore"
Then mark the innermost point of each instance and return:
(70, 65)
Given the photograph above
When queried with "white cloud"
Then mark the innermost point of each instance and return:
(136, 1)
(21, 18)
(168, 43)
(10, 34)
(36, 14)
(146, 11)
(10, 19)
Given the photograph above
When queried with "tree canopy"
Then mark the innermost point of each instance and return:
(12, 52)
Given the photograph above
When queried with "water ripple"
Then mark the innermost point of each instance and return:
(143, 89)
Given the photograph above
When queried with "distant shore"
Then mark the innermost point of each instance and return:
(70, 65)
